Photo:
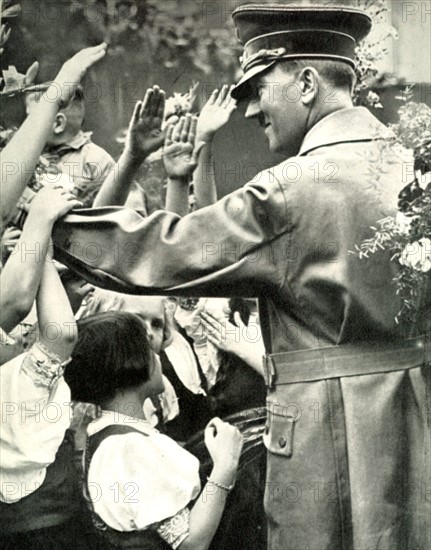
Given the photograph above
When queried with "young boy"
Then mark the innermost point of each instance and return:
(69, 154)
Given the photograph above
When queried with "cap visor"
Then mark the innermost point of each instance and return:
(242, 88)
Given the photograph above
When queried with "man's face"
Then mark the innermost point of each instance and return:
(276, 103)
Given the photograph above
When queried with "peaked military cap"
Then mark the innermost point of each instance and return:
(273, 32)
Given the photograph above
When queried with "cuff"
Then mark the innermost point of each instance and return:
(175, 529)
(43, 366)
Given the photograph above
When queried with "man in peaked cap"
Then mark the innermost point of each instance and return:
(347, 436)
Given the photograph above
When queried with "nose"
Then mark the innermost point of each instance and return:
(253, 108)
(150, 333)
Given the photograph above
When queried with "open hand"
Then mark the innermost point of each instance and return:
(215, 114)
(244, 341)
(179, 155)
(145, 129)
(74, 69)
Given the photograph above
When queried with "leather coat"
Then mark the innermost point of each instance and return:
(349, 450)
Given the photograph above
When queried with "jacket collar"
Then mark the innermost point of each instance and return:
(344, 126)
(74, 144)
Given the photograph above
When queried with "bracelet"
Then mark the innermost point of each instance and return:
(227, 488)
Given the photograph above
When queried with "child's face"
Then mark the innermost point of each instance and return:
(152, 312)
(155, 384)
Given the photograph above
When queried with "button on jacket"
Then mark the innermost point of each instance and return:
(348, 451)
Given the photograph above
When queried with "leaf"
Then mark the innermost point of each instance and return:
(12, 79)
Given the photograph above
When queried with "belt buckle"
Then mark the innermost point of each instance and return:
(269, 370)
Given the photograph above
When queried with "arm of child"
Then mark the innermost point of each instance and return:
(31, 384)
(57, 326)
(179, 158)
(214, 115)
(21, 154)
(224, 443)
(144, 136)
(22, 272)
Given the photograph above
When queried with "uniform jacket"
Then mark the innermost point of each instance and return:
(347, 456)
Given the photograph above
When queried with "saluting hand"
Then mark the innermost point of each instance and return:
(145, 129)
(179, 155)
(215, 114)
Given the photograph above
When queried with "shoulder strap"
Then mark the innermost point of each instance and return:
(93, 441)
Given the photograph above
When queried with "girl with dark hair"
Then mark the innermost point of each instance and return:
(142, 488)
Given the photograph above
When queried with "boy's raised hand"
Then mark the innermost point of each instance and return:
(145, 129)
(75, 68)
(215, 114)
(179, 154)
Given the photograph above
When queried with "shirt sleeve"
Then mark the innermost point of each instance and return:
(35, 416)
(176, 529)
(136, 481)
(225, 248)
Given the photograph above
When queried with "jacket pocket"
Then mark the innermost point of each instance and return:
(279, 429)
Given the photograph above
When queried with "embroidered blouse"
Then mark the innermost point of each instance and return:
(138, 482)
(36, 413)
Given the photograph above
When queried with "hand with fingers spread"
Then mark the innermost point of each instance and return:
(244, 341)
(215, 114)
(179, 154)
(145, 129)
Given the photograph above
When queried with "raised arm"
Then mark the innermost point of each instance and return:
(179, 157)
(23, 270)
(234, 245)
(21, 154)
(224, 443)
(57, 326)
(214, 115)
(144, 136)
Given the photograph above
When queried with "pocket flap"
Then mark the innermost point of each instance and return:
(279, 429)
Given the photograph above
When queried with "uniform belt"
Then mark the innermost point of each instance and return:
(312, 365)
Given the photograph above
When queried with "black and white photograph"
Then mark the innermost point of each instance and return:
(215, 275)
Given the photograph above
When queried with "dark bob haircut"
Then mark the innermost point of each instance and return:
(112, 354)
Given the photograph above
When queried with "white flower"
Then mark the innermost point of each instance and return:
(404, 222)
(417, 255)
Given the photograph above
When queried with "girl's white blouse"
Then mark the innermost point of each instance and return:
(135, 481)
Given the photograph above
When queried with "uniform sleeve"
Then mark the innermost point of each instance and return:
(137, 481)
(224, 248)
(35, 416)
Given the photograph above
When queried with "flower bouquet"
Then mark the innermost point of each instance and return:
(408, 233)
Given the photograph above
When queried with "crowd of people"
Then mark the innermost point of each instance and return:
(130, 378)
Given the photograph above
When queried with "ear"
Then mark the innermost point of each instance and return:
(168, 329)
(60, 123)
(309, 84)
